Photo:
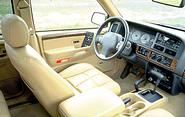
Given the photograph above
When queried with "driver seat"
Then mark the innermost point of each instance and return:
(48, 86)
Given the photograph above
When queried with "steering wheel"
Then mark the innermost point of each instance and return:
(111, 41)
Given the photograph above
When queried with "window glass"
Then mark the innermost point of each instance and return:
(5, 8)
(152, 12)
(64, 14)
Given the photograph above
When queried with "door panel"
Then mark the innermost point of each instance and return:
(60, 52)
(57, 46)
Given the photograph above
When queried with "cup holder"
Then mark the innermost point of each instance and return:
(128, 112)
(134, 108)
(139, 105)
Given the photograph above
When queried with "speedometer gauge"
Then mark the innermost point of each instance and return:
(136, 35)
(145, 38)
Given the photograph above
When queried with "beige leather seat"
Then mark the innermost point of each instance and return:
(49, 87)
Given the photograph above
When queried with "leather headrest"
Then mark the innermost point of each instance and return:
(15, 30)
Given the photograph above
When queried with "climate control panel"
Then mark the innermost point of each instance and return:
(156, 57)
(161, 59)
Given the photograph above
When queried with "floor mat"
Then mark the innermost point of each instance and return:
(29, 110)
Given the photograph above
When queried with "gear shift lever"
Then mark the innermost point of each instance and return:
(159, 77)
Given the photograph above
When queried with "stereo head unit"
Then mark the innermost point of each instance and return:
(168, 41)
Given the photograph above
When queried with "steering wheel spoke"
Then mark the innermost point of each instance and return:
(119, 45)
(99, 39)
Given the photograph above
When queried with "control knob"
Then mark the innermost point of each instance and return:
(153, 56)
(159, 58)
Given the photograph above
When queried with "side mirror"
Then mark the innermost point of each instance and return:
(175, 3)
(98, 18)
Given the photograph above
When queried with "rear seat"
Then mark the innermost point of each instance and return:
(4, 112)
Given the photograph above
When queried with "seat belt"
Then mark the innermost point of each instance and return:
(24, 9)
(25, 14)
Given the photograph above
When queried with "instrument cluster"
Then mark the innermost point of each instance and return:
(141, 37)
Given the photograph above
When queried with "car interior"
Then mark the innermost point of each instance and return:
(122, 67)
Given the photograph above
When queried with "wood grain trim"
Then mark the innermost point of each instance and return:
(184, 74)
(173, 64)
(62, 35)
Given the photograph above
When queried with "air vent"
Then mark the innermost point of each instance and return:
(158, 47)
(172, 53)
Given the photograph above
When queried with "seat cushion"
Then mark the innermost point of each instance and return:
(4, 112)
(157, 113)
(84, 77)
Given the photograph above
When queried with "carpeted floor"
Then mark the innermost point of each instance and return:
(29, 110)
(127, 84)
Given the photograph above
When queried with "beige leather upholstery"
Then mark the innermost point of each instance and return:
(157, 113)
(84, 77)
(15, 31)
(49, 87)
(96, 102)
(4, 112)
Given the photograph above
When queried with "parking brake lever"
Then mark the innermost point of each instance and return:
(159, 77)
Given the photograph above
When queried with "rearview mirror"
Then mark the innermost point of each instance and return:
(98, 18)
(175, 3)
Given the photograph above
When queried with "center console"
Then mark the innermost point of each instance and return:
(140, 103)
(145, 99)
(102, 102)
(95, 102)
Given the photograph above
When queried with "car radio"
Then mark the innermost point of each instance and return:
(168, 41)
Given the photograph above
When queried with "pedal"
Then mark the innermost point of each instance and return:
(126, 71)
(134, 72)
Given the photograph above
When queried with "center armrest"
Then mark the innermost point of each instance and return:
(95, 102)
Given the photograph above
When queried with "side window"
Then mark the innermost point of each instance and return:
(64, 14)
(5, 8)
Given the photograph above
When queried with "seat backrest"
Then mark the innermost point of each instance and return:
(47, 85)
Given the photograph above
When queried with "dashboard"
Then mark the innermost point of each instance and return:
(158, 48)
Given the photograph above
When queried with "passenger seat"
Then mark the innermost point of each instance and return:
(4, 111)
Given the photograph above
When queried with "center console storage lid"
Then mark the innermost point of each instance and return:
(95, 102)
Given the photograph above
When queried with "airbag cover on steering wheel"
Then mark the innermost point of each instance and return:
(109, 42)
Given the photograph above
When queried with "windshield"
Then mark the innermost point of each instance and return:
(148, 11)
